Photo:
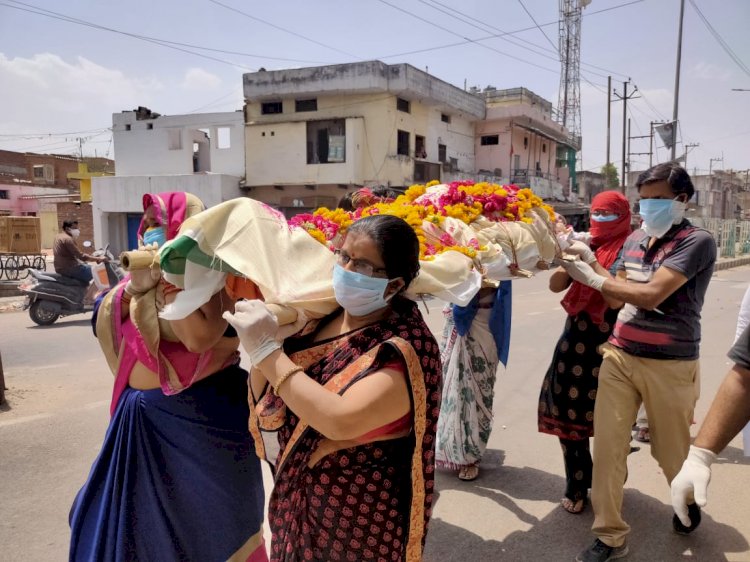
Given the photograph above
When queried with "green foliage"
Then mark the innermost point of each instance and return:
(609, 171)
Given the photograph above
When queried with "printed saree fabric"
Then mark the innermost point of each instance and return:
(368, 499)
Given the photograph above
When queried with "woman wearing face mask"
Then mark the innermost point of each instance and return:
(355, 400)
(566, 402)
(177, 477)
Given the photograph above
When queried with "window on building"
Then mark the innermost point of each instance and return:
(526, 142)
(403, 105)
(127, 127)
(223, 137)
(402, 146)
(445, 118)
(271, 107)
(544, 147)
(306, 105)
(149, 126)
(442, 153)
(326, 141)
(488, 140)
(420, 150)
(4, 194)
(45, 172)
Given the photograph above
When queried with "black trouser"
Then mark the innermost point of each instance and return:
(578, 466)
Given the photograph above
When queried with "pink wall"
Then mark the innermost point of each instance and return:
(15, 204)
(538, 149)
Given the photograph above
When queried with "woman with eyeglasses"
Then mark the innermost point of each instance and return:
(354, 398)
(566, 401)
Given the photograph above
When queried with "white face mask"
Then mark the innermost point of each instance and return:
(75, 233)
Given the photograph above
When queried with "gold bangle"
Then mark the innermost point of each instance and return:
(282, 379)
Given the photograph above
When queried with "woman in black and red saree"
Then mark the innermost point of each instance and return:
(355, 400)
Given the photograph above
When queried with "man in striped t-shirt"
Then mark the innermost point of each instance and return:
(652, 355)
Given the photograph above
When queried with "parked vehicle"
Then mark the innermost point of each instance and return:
(51, 295)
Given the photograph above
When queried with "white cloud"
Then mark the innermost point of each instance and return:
(46, 93)
(709, 71)
(198, 79)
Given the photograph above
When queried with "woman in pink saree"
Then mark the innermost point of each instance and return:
(177, 477)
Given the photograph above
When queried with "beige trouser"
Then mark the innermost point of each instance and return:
(669, 390)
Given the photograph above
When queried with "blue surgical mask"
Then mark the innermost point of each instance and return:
(660, 214)
(358, 294)
(604, 218)
(155, 235)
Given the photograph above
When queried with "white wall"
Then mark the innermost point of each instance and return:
(167, 148)
(114, 197)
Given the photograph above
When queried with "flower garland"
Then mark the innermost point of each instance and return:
(464, 200)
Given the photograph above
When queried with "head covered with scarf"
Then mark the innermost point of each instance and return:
(148, 339)
(607, 239)
(168, 210)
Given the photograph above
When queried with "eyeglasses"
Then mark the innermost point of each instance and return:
(362, 267)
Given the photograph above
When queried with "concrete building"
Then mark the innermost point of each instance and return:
(312, 134)
(150, 144)
(590, 184)
(202, 154)
(39, 184)
(519, 141)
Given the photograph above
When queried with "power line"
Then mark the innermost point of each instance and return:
(720, 40)
(486, 28)
(503, 34)
(289, 31)
(468, 40)
(31, 136)
(160, 40)
(68, 19)
(538, 27)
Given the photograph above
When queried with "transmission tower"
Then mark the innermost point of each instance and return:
(569, 100)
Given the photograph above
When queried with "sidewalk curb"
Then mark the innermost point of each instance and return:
(732, 262)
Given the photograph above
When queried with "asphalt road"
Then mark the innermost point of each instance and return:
(57, 411)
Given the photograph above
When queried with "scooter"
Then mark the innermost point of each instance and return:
(51, 295)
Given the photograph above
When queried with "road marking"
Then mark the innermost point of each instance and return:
(25, 419)
(536, 313)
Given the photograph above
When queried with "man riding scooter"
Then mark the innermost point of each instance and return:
(68, 258)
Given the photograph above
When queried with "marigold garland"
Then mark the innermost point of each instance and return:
(464, 200)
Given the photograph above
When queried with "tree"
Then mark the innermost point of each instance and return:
(612, 180)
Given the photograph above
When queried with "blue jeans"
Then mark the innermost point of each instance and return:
(81, 272)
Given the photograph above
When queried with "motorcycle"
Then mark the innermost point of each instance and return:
(50, 296)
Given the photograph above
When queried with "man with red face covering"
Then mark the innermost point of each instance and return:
(653, 353)
(566, 401)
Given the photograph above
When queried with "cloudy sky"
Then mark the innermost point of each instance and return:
(65, 67)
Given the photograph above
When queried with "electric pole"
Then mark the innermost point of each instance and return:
(687, 149)
(609, 114)
(650, 146)
(625, 97)
(677, 80)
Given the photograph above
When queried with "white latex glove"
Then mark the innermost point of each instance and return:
(256, 327)
(581, 250)
(693, 478)
(583, 273)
